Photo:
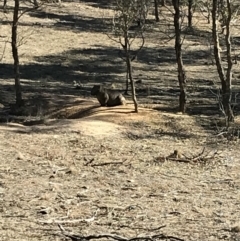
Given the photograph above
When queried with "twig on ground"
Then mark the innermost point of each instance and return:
(106, 163)
(88, 161)
(87, 220)
(142, 228)
(76, 237)
(179, 160)
(179, 157)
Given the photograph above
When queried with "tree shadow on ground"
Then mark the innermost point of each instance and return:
(158, 135)
(67, 22)
(63, 20)
(167, 127)
(91, 111)
(197, 34)
(166, 56)
(92, 64)
(105, 4)
(74, 23)
(202, 103)
(49, 128)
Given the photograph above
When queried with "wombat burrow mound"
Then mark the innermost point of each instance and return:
(108, 97)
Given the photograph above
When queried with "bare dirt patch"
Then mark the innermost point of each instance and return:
(94, 170)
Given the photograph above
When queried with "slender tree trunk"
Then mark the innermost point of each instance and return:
(208, 17)
(134, 98)
(190, 12)
(156, 10)
(178, 50)
(35, 3)
(226, 81)
(127, 77)
(15, 55)
(163, 2)
(129, 71)
(228, 92)
(5, 6)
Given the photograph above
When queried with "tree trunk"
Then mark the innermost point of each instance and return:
(126, 53)
(178, 50)
(208, 17)
(35, 3)
(226, 81)
(190, 13)
(228, 91)
(134, 98)
(163, 3)
(5, 6)
(127, 75)
(15, 55)
(156, 10)
(129, 71)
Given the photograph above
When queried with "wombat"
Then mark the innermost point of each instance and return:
(108, 97)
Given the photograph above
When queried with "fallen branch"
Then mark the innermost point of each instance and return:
(141, 228)
(88, 161)
(77, 237)
(201, 157)
(179, 160)
(50, 221)
(106, 163)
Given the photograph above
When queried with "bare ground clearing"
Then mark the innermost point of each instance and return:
(85, 161)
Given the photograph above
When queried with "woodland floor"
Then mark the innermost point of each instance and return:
(98, 170)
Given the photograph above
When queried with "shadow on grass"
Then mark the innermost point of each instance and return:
(52, 126)
(157, 135)
(92, 64)
(166, 56)
(72, 22)
(64, 20)
(104, 111)
(104, 4)
(59, 122)
(144, 130)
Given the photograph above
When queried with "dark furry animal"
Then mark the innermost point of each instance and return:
(108, 97)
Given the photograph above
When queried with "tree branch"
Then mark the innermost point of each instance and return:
(77, 237)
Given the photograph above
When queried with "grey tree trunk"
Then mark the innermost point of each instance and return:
(134, 98)
(156, 10)
(178, 50)
(226, 80)
(5, 6)
(129, 72)
(190, 12)
(18, 90)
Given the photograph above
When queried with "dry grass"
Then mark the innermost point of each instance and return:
(93, 169)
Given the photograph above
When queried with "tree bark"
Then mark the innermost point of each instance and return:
(226, 80)
(190, 13)
(228, 90)
(18, 90)
(156, 10)
(127, 77)
(178, 50)
(163, 3)
(5, 6)
(134, 98)
(129, 71)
